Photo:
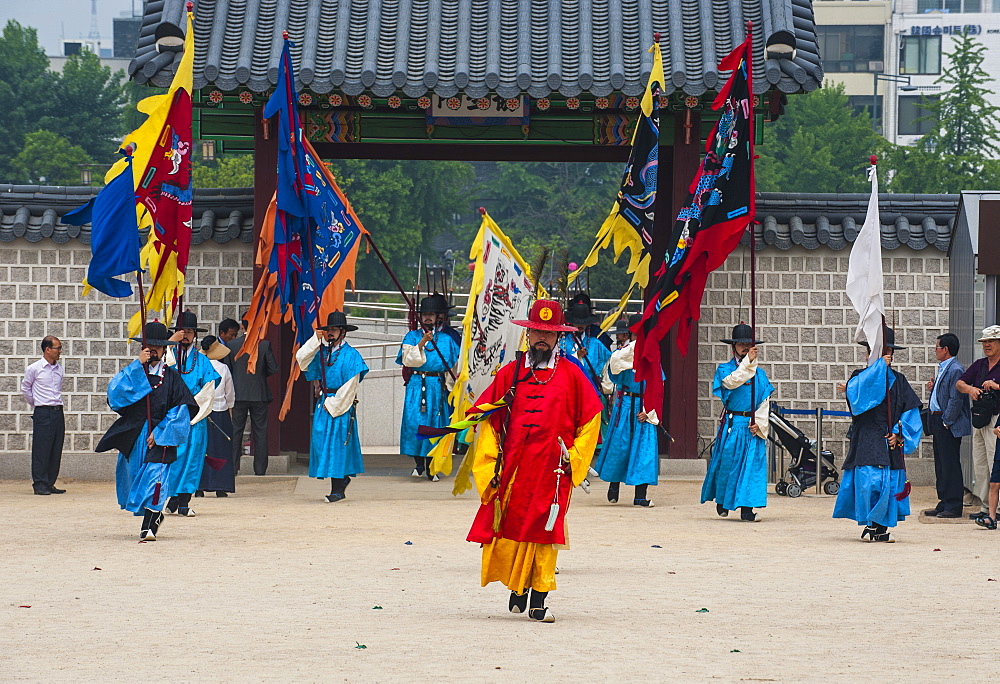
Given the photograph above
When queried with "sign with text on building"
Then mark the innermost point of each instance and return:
(971, 29)
(491, 110)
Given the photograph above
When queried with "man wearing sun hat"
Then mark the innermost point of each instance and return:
(155, 409)
(200, 377)
(335, 369)
(529, 454)
(737, 472)
(980, 379)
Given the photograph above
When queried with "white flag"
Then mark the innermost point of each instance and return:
(864, 277)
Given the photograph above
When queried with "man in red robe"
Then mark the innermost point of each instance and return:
(529, 456)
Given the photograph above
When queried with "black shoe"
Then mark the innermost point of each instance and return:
(518, 602)
(41, 490)
(932, 513)
(987, 522)
(200, 493)
(869, 532)
(948, 514)
(54, 490)
(613, 492)
(334, 498)
(172, 504)
(645, 503)
(221, 494)
(723, 513)
(541, 614)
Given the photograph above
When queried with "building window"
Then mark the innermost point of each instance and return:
(851, 48)
(920, 55)
(862, 106)
(911, 113)
(951, 6)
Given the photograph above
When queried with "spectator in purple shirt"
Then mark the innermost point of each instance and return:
(42, 389)
(982, 375)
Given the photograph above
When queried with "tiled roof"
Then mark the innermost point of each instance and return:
(476, 47)
(34, 212)
(786, 219)
(834, 220)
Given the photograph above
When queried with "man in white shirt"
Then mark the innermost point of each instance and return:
(42, 389)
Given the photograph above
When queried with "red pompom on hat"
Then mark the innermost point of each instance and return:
(546, 315)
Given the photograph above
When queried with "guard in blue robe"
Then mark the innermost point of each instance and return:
(336, 369)
(873, 489)
(200, 378)
(737, 473)
(144, 396)
(591, 348)
(430, 354)
(631, 451)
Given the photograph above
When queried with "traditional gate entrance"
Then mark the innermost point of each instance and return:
(502, 80)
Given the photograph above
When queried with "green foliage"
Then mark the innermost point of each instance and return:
(86, 104)
(404, 205)
(559, 205)
(23, 75)
(235, 171)
(955, 155)
(50, 156)
(818, 145)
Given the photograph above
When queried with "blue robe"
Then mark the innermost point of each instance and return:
(597, 356)
(426, 400)
(149, 488)
(335, 448)
(737, 473)
(631, 451)
(171, 406)
(185, 474)
(873, 474)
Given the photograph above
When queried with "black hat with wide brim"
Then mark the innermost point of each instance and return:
(742, 334)
(580, 314)
(890, 340)
(435, 303)
(337, 319)
(188, 321)
(156, 335)
(624, 326)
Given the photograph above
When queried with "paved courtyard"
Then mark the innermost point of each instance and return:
(272, 584)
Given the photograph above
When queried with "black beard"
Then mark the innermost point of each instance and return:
(539, 357)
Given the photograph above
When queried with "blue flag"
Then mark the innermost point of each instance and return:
(114, 234)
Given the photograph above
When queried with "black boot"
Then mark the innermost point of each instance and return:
(427, 470)
(518, 602)
(723, 513)
(747, 514)
(184, 505)
(146, 533)
(337, 487)
(640, 496)
(172, 504)
(418, 467)
(154, 525)
(537, 610)
(613, 492)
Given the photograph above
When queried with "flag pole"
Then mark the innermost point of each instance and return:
(750, 228)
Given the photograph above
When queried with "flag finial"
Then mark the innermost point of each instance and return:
(873, 159)
(656, 36)
(482, 210)
(284, 34)
(190, 6)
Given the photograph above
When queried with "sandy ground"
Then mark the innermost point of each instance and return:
(273, 584)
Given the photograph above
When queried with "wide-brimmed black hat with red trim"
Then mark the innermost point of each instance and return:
(156, 335)
(546, 315)
(580, 311)
(742, 334)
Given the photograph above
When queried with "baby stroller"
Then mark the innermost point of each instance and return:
(801, 473)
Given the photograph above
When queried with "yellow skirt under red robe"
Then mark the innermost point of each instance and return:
(523, 565)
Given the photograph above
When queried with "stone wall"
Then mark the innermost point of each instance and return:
(40, 294)
(808, 325)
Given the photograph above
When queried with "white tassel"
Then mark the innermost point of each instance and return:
(553, 514)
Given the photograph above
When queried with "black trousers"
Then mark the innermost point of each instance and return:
(258, 421)
(47, 432)
(947, 467)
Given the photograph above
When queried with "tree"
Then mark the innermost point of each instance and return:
(235, 171)
(404, 204)
(50, 159)
(24, 77)
(954, 156)
(819, 145)
(86, 104)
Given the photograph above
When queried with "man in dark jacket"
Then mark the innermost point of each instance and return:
(950, 420)
(252, 397)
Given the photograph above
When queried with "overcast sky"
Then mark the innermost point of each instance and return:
(58, 19)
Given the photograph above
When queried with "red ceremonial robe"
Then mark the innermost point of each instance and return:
(548, 403)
